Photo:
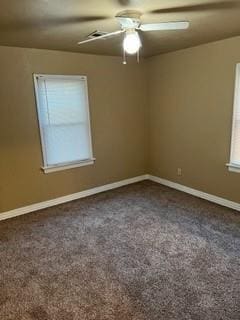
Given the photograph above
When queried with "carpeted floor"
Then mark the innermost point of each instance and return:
(141, 252)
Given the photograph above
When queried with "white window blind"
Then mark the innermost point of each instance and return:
(63, 114)
(235, 144)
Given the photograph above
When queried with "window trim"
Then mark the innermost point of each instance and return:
(67, 165)
(235, 167)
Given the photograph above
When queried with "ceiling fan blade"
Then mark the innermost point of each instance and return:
(128, 2)
(47, 22)
(76, 19)
(199, 7)
(124, 2)
(178, 25)
(115, 33)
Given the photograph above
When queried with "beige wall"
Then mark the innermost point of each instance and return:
(191, 101)
(171, 111)
(117, 107)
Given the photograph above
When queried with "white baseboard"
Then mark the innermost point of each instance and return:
(82, 194)
(74, 196)
(197, 193)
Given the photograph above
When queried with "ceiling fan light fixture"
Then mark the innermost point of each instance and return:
(131, 42)
(130, 25)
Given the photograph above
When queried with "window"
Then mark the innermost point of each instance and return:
(63, 114)
(234, 164)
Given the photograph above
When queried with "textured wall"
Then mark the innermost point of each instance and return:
(117, 106)
(191, 101)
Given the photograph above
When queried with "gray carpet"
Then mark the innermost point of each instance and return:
(141, 252)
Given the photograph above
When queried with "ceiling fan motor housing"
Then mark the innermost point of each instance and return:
(129, 19)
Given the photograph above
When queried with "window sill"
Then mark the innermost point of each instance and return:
(68, 166)
(233, 167)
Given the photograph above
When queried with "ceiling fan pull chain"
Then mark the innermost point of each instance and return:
(138, 55)
(124, 57)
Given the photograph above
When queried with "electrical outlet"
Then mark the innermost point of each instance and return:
(179, 171)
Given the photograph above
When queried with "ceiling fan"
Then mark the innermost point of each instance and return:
(130, 25)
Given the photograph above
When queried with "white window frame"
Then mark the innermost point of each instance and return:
(67, 165)
(234, 167)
